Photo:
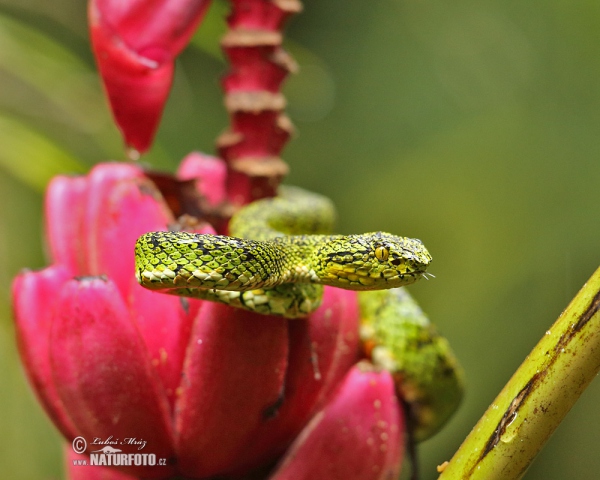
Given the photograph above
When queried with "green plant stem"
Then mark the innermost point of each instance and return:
(535, 400)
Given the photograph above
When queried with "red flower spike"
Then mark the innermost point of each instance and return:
(259, 129)
(233, 379)
(263, 136)
(257, 14)
(102, 374)
(135, 43)
(33, 296)
(208, 171)
(65, 199)
(122, 205)
(357, 436)
(322, 349)
(256, 69)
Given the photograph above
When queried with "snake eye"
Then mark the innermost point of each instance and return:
(382, 253)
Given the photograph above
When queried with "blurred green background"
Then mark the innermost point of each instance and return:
(473, 125)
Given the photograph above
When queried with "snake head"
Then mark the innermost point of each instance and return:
(372, 261)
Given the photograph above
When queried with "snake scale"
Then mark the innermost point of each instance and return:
(276, 262)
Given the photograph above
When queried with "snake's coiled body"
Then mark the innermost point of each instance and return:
(277, 261)
(278, 258)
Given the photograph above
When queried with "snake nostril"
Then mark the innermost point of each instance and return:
(396, 262)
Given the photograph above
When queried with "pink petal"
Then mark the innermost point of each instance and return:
(357, 436)
(233, 380)
(76, 471)
(65, 200)
(122, 205)
(322, 350)
(335, 340)
(102, 373)
(137, 89)
(165, 323)
(210, 173)
(34, 296)
(155, 29)
(135, 43)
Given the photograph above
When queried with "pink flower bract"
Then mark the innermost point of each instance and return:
(135, 43)
(211, 389)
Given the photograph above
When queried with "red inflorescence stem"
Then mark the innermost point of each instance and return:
(259, 129)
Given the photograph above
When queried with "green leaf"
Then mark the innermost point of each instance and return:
(31, 157)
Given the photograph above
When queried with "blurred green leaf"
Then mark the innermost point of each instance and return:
(49, 68)
(207, 38)
(31, 157)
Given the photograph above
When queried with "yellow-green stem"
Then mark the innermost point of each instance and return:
(535, 400)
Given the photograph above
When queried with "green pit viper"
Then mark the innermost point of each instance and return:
(276, 262)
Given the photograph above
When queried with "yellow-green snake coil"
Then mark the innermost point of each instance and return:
(276, 262)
